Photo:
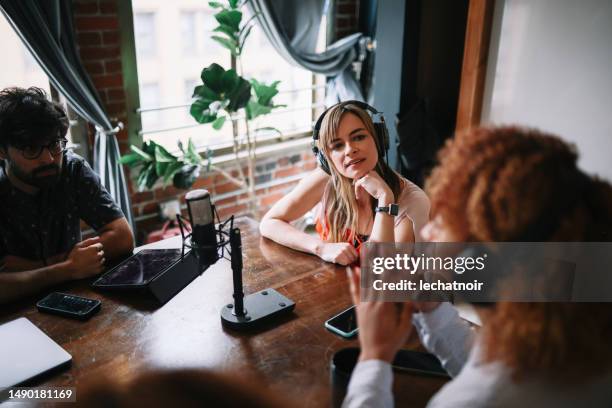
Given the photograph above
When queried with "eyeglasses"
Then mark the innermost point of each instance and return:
(55, 147)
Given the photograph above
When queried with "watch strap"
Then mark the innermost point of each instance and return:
(391, 209)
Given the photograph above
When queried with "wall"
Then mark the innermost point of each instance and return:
(549, 67)
(97, 26)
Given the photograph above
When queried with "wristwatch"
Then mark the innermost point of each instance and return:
(391, 209)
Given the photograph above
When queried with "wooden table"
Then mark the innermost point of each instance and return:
(128, 335)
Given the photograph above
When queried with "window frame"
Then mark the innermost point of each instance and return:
(135, 129)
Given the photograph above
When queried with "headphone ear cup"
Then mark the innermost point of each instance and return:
(382, 134)
(321, 158)
(323, 162)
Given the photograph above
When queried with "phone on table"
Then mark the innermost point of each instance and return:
(67, 305)
(344, 323)
(418, 362)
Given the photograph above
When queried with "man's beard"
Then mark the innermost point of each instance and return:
(35, 178)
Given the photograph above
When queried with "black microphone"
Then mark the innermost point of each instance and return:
(203, 235)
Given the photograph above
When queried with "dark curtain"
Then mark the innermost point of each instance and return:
(293, 26)
(46, 28)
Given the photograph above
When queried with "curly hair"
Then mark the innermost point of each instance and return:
(519, 184)
(28, 117)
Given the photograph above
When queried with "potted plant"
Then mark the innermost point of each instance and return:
(224, 96)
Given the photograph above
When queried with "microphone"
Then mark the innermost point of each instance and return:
(204, 235)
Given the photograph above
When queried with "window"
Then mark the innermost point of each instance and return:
(149, 98)
(185, 48)
(24, 72)
(188, 32)
(144, 29)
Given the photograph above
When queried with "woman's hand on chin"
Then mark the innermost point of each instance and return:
(372, 184)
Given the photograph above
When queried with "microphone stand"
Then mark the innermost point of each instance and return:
(250, 311)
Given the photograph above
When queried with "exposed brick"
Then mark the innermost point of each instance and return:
(110, 37)
(225, 188)
(225, 202)
(149, 208)
(349, 8)
(89, 38)
(112, 66)
(94, 67)
(343, 22)
(115, 109)
(309, 166)
(82, 8)
(167, 192)
(142, 197)
(115, 94)
(108, 7)
(97, 23)
(295, 158)
(286, 172)
(99, 53)
(232, 210)
(204, 182)
(108, 81)
(263, 178)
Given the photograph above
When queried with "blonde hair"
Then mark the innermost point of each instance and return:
(339, 202)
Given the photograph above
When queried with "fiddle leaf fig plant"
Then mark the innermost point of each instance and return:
(224, 96)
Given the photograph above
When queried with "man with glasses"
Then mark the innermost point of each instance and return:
(45, 191)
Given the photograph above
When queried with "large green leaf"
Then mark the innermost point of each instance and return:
(186, 176)
(240, 95)
(211, 76)
(229, 18)
(227, 31)
(233, 3)
(171, 170)
(227, 43)
(264, 92)
(218, 123)
(192, 155)
(145, 156)
(254, 109)
(131, 159)
(200, 111)
(164, 156)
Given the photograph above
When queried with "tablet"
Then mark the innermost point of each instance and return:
(139, 269)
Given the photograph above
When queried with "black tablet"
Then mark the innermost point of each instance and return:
(139, 269)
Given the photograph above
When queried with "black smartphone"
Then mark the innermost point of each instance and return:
(344, 323)
(418, 362)
(64, 304)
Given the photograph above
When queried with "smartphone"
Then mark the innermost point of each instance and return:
(419, 362)
(67, 305)
(344, 323)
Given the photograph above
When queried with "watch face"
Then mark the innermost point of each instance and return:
(394, 209)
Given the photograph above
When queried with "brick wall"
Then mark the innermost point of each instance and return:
(346, 17)
(97, 29)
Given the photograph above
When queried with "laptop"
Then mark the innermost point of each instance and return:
(26, 352)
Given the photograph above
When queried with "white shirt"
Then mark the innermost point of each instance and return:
(475, 384)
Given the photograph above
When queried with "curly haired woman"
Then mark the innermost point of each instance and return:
(502, 184)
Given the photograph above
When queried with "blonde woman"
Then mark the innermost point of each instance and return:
(361, 198)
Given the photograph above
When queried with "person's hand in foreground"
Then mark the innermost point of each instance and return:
(384, 327)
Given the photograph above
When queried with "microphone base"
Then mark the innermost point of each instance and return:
(259, 309)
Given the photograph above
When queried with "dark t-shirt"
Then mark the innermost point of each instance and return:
(48, 223)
